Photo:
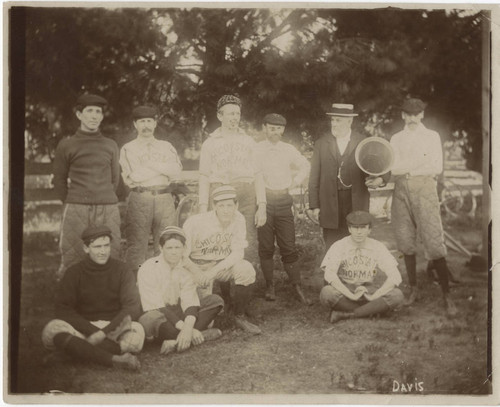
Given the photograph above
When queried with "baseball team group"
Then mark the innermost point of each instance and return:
(106, 308)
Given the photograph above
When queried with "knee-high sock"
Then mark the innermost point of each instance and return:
(225, 291)
(267, 266)
(346, 305)
(377, 306)
(442, 272)
(167, 331)
(242, 296)
(110, 346)
(81, 349)
(205, 317)
(411, 268)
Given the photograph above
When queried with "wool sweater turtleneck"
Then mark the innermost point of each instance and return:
(93, 292)
(91, 163)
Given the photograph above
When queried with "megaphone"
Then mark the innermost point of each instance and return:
(374, 155)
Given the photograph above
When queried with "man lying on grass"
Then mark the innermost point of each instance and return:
(361, 274)
(96, 301)
(173, 312)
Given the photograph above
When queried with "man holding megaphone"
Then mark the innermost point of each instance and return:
(337, 186)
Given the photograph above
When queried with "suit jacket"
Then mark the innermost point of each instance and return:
(323, 188)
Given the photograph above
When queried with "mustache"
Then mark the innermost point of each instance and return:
(146, 130)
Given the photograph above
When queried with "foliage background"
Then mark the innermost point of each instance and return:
(292, 61)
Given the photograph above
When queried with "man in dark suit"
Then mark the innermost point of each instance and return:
(337, 186)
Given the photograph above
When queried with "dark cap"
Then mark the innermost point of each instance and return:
(413, 106)
(143, 112)
(359, 218)
(342, 109)
(228, 100)
(94, 232)
(90, 100)
(274, 118)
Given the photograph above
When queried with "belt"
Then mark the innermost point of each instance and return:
(277, 191)
(155, 190)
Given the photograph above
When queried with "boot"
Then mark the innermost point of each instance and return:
(412, 297)
(300, 294)
(270, 294)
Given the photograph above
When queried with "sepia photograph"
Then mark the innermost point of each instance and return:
(248, 203)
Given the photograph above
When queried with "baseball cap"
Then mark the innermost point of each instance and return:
(90, 100)
(94, 232)
(142, 112)
(413, 106)
(359, 218)
(173, 230)
(224, 192)
(228, 100)
(274, 118)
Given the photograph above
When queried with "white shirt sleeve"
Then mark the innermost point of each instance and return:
(331, 262)
(149, 287)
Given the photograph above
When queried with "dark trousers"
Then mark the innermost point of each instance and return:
(280, 226)
(330, 236)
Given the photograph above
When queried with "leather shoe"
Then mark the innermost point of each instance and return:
(336, 316)
(302, 297)
(245, 325)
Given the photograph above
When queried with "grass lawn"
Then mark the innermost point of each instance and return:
(299, 352)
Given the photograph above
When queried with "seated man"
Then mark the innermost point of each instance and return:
(173, 312)
(216, 241)
(97, 300)
(354, 269)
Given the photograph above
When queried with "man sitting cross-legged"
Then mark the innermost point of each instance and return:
(173, 312)
(97, 300)
(352, 268)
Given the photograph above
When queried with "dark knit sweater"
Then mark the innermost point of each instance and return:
(91, 162)
(93, 292)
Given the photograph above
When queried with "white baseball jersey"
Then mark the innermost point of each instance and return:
(356, 265)
(208, 240)
(229, 158)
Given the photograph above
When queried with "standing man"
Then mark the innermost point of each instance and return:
(148, 166)
(215, 244)
(96, 303)
(228, 158)
(415, 205)
(284, 168)
(86, 175)
(337, 186)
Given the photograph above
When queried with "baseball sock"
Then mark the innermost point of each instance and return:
(267, 266)
(346, 305)
(81, 349)
(225, 291)
(110, 346)
(242, 296)
(293, 272)
(411, 268)
(205, 317)
(377, 306)
(442, 272)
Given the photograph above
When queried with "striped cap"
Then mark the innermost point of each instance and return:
(224, 192)
(173, 230)
(342, 109)
(228, 100)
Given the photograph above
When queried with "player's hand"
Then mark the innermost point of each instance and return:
(369, 297)
(198, 338)
(206, 278)
(184, 338)
(374, 181)
(260, 216)
(96, 338)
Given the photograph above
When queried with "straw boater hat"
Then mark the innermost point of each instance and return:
(342, 109)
